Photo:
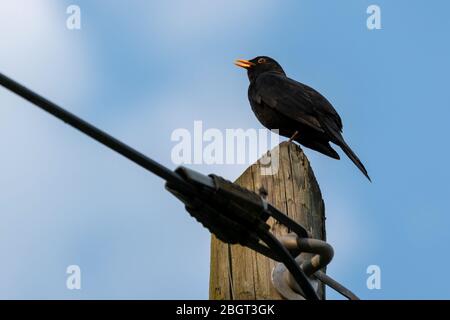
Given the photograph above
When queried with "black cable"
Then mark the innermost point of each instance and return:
(324, 278)
(287, 221)
(93, 132)
(159, 170)
(290, 263)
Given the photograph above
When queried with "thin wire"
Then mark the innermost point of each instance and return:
(287, 221)
(93, 132)
(324, 278)
(156, 168)
(230, 277)
(290, 263)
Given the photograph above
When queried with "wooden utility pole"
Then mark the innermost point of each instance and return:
(240, 273)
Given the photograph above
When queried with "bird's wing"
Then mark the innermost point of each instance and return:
(305, 105)
(296, 101)
(323, 109)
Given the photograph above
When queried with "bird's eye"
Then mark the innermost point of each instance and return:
(261, 60)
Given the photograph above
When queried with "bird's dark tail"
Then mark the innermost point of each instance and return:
(349, 152)
(338, 139)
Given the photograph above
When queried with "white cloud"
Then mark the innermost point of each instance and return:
(37, 50)
(40, 52)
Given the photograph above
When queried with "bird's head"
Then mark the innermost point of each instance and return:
(259, 65)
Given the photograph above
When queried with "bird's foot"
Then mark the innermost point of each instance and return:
(293, 136)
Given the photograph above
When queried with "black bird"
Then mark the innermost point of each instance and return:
(298, 111)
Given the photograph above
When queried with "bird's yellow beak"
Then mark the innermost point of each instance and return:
(244, 63)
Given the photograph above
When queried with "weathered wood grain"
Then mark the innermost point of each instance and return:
(240, 273)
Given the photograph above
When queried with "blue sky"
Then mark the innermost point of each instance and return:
(141, 69)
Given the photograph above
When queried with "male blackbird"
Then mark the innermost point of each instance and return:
(296, 110)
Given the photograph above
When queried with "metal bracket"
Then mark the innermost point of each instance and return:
(315, 255)
(282, 282)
